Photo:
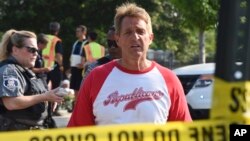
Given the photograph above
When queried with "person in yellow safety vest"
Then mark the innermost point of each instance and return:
(92, 50)
(53, 58)
(52, 55)
(49, 51)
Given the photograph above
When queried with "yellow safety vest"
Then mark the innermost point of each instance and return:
(94, 51)
(49, 52)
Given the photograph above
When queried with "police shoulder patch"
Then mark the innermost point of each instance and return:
(11, 83)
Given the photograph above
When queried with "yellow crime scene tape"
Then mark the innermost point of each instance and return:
(174, 131)
(230, 106)
(231, 101)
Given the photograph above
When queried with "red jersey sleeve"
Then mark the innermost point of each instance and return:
(179, 109)
(83, 111)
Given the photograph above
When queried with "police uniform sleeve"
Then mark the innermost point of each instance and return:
(13, 84)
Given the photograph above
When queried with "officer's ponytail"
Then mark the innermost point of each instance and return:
(6, 44)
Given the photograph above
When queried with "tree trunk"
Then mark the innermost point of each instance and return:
(202, 49)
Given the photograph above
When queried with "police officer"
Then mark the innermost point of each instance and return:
(23, 96)
(39, 69)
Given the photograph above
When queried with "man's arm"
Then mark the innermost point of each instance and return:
(22, 102)
(59, 56)
(40, 70)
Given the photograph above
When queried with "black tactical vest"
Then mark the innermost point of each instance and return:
(35, 86)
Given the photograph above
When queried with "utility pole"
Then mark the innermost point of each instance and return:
(232, 73)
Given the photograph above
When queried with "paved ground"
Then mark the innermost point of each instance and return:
(62, 121)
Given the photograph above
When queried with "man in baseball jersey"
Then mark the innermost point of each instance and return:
(132, 89)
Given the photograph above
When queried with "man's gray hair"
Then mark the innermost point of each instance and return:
(54, 26)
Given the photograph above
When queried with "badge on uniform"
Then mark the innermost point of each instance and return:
(10, 83)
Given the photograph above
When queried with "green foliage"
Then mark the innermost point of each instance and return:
(173, 31)
(210, 45)
(200, 15)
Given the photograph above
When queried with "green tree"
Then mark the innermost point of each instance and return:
(35, 15)
(98, 15)
(199, 15)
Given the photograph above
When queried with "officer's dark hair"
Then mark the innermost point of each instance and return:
(83, 28)
(54, 27)
(42, 38)
(12, 38)
(92, 35)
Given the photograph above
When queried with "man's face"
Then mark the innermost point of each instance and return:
(113, 49)
(41, 46)
(79, 33)
(134, 38)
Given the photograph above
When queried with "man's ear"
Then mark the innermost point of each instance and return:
(151, 37)
(117, 38)
(14, 49)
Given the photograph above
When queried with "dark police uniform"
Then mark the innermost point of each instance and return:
(40, 64)
(17, 81)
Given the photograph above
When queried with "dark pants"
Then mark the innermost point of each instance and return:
(55, 76)
(76, 78)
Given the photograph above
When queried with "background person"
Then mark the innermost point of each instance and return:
(22, 94)
(114, 52)
(93, 50)
(39, 69)
(52, 55)
(132, 89)
(53, 59)
(77, 60)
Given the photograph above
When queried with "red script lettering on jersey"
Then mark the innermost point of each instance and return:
(136, 97)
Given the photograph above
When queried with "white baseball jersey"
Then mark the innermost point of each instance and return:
(112, 94)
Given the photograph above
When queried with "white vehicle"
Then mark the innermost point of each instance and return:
(197, 81)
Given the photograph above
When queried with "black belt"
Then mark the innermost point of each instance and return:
(30, 122)
(21, 126)
(8, 124)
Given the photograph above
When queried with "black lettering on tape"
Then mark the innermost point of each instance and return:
(34, 139)
(138, 136)
(90, 137)
(110, 136)
(75, 137)
(173, 135)
(237, 94)
(123, 135)
(221, 132)
(194, 134)
(72, 137)
(160, 135)
(61, 138)
(47, 138)
(208, 133)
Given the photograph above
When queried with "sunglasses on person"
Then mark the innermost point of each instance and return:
(31, 49)
(112, 44)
